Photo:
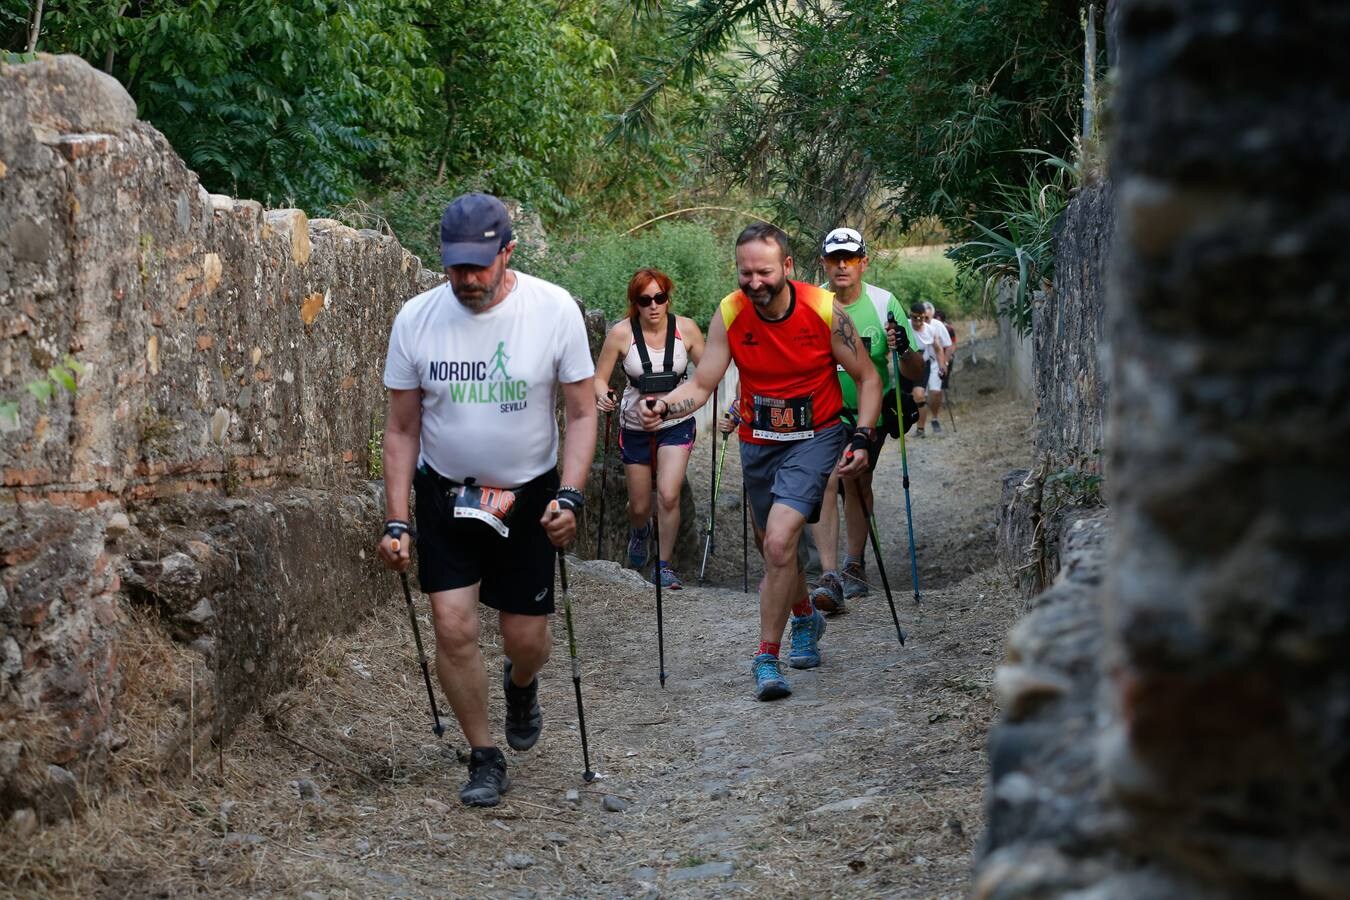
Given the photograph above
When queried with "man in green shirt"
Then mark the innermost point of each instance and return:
(843, 254)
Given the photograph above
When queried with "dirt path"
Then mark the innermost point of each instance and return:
(868, 781)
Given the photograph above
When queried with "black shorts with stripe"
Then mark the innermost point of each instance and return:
(514, 573)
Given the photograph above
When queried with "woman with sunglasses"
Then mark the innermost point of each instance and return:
(654, 367)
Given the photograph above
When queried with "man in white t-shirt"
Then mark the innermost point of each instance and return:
(943, 349)
(934, 362)
(473, 372)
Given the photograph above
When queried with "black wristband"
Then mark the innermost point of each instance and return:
(397, 528)
(862, 439)
(571, 498)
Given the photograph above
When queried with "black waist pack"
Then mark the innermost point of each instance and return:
(668, 379)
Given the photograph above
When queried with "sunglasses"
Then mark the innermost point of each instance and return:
(845, 261)
(646, 300)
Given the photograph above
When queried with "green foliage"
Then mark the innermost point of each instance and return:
(597, 268)
(1018, 247)
(58, 378)
(1077, 484)
(283, 102)
(912, 106)
(375, 452)
(928, 275)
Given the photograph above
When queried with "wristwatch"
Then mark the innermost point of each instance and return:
(570, 498)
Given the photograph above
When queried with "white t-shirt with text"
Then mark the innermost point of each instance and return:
(489, 380)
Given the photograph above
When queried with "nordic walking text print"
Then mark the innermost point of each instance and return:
(481, 381)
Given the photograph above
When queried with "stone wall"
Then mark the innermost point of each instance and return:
(1182, 727)
(211, 464)
(1068, 331)
(1069, 382)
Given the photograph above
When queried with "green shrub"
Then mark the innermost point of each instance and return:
(929, 276)
(597, 267)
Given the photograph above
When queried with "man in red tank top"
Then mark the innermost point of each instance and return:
(786, 338)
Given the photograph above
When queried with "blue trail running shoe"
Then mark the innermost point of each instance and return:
(669, 580)
(637, 545)
(769, 681)
(806, 630)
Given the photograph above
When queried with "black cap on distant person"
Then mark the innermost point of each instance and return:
(474, 230)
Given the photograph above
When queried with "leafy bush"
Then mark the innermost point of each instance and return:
(597, 268)
(929, 276)
(1019, 248)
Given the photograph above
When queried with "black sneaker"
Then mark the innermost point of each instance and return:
(524, 718)
(487, 778)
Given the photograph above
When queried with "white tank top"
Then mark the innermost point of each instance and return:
(632, 367)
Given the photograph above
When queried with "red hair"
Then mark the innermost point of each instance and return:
(640, 280)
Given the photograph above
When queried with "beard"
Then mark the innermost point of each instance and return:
(764, 295)
(478, 296)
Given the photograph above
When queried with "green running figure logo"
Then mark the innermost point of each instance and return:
(499, 362)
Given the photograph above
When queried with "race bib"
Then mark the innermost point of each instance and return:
(489, 505)
(782, 420)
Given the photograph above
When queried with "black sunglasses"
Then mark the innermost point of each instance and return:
(646, 300)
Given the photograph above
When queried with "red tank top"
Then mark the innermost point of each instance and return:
(785, 360)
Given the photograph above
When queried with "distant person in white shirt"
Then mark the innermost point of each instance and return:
(473, 373)
(943, 348)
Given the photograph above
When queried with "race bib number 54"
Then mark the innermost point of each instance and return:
(490, 505)
(777, 419)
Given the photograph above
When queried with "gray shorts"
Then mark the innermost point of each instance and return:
(791, 473)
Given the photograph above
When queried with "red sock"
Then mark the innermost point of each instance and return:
(804, 608)
(770, 648)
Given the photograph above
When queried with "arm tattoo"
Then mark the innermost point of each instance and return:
(844, 328)
(679, 409)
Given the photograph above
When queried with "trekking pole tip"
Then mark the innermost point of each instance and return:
(438, 729)
(588, 776)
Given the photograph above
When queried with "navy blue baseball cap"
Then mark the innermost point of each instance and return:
(474, 229)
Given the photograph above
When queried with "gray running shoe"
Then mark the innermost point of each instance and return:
(524, 718)
(487, 778)
(937, 426)
(828, 594)
(855, 580)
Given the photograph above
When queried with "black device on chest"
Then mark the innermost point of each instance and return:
(668, 379)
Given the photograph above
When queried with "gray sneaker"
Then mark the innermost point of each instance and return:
(855, 581)
(524, 718)
(937, 426)
(487, 778)
(828, 594)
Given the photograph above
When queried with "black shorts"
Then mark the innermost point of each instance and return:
(516, 572)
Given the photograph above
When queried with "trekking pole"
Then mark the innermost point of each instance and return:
(588, 775)
(717, 485)
(604, 480)
(656, 570)
(438, 729)
(904, 458)
(951, 416)
(876, 551)
(712, 503)
(745, 536)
